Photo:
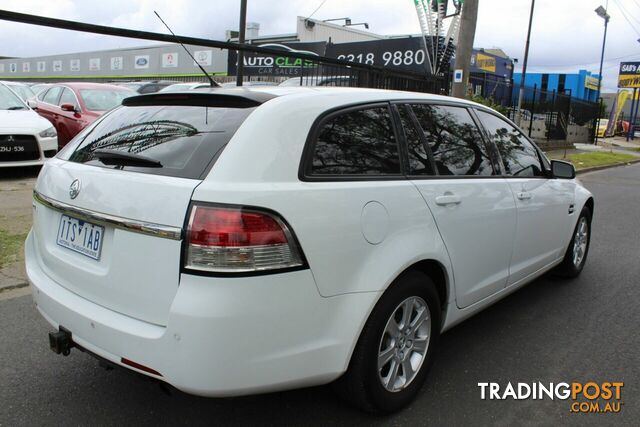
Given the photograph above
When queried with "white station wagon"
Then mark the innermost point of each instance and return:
(231, 242)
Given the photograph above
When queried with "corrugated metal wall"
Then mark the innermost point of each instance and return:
(321, 31)
(155, 61)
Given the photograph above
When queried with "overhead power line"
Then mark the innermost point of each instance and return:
(624, 15)
(594, 62)
(317, 8)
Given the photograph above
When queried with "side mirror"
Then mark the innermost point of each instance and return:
(562, 170)
(68, 107)
(32, 104)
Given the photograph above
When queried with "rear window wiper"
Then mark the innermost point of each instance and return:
(122, 158)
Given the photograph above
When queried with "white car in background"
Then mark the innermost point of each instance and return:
(185, 86)
(26, 139)
(21, 89)
(242, 241)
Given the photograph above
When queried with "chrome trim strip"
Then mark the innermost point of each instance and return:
(141, 227)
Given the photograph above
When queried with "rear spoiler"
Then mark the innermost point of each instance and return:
(225, 98)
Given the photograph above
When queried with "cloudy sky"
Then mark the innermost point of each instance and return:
(566, 35)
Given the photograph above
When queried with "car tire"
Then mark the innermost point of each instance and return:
(371, 388)
(576, 255)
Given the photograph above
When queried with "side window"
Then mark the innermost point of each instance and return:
(454, 139)
(68, 98)
(419, 163)
(52, 94)
(358, 142)
(42, 94)
(519, 157)
(150, 88)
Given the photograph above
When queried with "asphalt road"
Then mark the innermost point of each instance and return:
(550, 331)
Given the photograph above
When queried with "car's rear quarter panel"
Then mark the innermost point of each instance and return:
(260, 168)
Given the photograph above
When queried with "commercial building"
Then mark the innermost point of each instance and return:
(491, 73)
(168, 61)
(581, 85)
(491, 68)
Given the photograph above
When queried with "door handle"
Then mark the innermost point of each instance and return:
(524, 195)
(448, 199)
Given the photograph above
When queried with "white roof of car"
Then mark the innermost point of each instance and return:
(11, 83)
(340, 94)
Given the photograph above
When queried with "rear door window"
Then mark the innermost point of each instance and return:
(519, 156)
(454, 140)
(68, 97)
(356, 142)
(51, 97)
(184, 139)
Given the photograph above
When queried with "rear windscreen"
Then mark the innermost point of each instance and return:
(184, 139)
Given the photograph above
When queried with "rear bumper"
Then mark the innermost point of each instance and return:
(225, 336)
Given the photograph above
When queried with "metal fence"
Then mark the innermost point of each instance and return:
(546, 115)
(312, 69)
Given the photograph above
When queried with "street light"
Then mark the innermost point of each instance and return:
(602, 13)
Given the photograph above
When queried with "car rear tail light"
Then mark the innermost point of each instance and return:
(237, 240)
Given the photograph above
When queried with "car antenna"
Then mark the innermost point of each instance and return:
(213, 82)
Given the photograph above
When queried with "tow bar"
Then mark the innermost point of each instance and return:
(60, 342)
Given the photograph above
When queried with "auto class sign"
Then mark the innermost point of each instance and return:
(258, 64)
(629, 75)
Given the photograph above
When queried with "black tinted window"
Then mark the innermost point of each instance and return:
(184, 139)
(519, 157)
(419, 163)
(454, 140)
(358, 142)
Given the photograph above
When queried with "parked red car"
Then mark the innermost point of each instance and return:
(72, 106)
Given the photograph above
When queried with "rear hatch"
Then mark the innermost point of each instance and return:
(110, 209)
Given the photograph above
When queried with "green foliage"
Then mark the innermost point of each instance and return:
(489, 102)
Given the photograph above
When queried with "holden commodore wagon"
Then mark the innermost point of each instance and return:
(232, 242)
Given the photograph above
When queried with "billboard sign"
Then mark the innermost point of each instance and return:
(117, 63)
(258, 64)
(484, 62)
(591, 82)
(94, 64)
(401, 53)
(141, 61)
(170, 60)
(405, 53)
(629, 75)
(204, 57)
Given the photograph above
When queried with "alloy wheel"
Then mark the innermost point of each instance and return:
(404, 344)
(580, 241)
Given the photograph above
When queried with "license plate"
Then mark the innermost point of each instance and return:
(80, 236)
(12, 148)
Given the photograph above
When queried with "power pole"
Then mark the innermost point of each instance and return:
(243, 27)
(464, 49)
(524, 67)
